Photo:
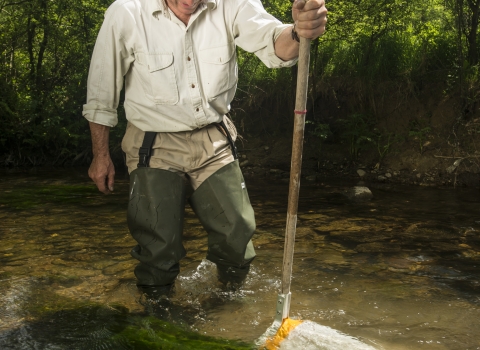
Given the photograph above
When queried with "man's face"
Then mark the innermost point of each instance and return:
(183, 7)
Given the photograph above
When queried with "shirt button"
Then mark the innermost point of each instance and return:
(197, 109)
(188, 58)
(193, 85)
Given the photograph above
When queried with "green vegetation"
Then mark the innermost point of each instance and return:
(22, 198)
(45, 50)
(152, 333)
(61, 322)
(419, 131)
(384, 142)
(356, 133)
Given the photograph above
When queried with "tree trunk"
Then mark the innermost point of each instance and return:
(472, 34)
(30, 38)
(40, 86)
(43, 46)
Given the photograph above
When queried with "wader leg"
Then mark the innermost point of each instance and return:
(155, 218)
(223, 207)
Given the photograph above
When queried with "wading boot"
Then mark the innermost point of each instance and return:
(155, 219)
(223, 207)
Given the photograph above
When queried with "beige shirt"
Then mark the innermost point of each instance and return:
(177, 77)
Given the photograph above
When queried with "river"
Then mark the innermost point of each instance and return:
(401, 271)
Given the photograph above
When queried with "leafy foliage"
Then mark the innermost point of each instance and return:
(357, 133)
(45, 48)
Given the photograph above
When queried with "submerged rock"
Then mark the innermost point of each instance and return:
(359, 194)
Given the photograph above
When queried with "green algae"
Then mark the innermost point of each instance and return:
(26, 197)
(134, 331)
(152, 333)
(56, 321)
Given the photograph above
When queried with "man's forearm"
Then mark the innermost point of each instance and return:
(285, 47)
(100, 137)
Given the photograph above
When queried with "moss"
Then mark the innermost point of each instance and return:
(26, 197)
(60, 321)
(152, 333)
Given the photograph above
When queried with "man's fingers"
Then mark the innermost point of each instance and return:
(101, 182)
(311, 24)
(308, 5)
(311, 33)
(311, 19)
(110, 182)
(308, 14)
(102, 172)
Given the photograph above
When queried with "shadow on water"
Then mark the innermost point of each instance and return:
(53, 322)
(401, 271)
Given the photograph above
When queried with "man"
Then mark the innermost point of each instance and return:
(179, 64)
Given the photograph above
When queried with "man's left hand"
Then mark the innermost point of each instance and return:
(310, 18)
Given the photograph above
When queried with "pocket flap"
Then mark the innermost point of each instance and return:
(157, 61)
(217, 55)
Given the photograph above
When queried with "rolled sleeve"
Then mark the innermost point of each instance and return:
(110, 61)
(100, 115)
(256, 30)
(278, 62)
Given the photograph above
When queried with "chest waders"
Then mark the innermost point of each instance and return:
(156, 212)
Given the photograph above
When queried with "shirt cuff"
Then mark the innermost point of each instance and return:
(277, 61)
(100, 115)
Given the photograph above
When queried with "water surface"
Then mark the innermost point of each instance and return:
(401, 271)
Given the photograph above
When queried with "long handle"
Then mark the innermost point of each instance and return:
(296, 165)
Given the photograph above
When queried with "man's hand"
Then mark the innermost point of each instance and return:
(102, 170)
(310, 18)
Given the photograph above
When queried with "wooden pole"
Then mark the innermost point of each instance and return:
(296, 163)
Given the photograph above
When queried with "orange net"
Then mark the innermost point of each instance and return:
(287, 326)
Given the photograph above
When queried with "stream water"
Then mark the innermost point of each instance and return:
(401, 271)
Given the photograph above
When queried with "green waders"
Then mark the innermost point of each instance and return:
(155, 219)
(223, 207)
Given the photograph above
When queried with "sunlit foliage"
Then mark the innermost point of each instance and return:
(45, 47)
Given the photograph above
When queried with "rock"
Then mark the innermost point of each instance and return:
(266, 148)
(454, 166)
(381, 178)
(244, 163)
(378, 247)
(359, 194)
(361, 172)
(419, 175)
(119, 267)
(388, 175)
(311, 178)
(244, 156)
(276, 171)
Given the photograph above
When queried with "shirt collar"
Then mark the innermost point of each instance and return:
(157, 7)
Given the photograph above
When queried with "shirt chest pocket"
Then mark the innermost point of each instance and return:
(157, 75)
(218, 68)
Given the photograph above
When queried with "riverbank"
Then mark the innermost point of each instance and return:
(435, 167)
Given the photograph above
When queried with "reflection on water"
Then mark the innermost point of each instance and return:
(399, 272)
